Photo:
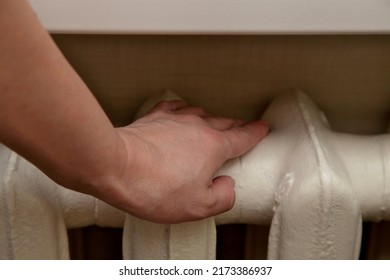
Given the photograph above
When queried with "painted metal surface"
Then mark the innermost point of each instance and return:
(214, 16)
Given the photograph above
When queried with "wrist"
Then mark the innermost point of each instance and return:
(101, 172)
(107, 179)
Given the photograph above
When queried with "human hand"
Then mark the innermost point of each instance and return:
(172, 155)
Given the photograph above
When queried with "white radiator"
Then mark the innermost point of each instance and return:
(313, 186)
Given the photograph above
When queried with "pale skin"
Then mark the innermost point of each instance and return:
(159, 168)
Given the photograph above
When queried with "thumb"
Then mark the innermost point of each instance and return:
(222, 190)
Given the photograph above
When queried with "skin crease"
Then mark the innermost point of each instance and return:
(159, 168)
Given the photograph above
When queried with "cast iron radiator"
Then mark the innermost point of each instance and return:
(314, 187)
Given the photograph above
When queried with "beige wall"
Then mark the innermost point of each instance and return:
(348, 76)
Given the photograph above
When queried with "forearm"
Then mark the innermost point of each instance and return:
(47, 113)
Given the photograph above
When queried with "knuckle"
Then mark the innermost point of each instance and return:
(167, 105)
(202, 209)
(161, 105)
(200, 111)
(216, 140)
(155, 114)
(214, 136)
(191, 119)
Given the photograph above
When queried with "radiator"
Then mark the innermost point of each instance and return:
(313, 186)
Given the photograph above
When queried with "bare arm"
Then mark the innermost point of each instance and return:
(159, 168)
(47, 113)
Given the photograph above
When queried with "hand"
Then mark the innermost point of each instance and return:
(159, 168)
(172, 156)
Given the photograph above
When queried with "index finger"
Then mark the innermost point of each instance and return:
(241, 139)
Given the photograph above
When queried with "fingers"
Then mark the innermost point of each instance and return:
(218, 123)
(197, 111)
(223, 123)
(168, 106)
(241, 139)
(180, 107)
(223, 194)
(239, 135)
